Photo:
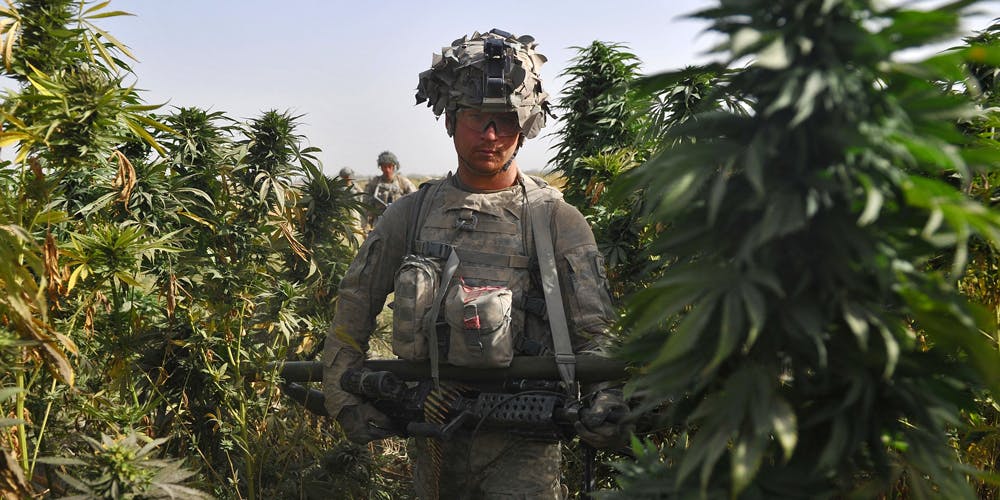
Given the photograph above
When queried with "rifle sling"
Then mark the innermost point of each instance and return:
(541, 215)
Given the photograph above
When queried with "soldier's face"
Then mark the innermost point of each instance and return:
(486, 145)
(388, 170)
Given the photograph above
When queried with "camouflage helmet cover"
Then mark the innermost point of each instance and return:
(387, 157)
(457, 79)
(346, 172)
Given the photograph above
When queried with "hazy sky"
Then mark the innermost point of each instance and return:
(350, 68)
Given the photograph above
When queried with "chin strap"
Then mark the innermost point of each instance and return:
(511, 160)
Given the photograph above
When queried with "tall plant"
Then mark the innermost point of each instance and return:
(598, 115)
(172, 265)
(602, 137)
(807, 347)
(56, 122)
(980, 441)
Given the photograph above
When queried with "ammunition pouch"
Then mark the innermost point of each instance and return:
(416, 288)
(480, 321)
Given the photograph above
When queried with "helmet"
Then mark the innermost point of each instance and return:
(493, 72)
(346, 173)
(388, 157)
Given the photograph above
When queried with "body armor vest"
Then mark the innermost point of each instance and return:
(386, 192)
(492, 237)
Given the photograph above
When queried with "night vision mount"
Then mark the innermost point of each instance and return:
(497, 58)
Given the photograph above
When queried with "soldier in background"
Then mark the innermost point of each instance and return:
(347, 174)
(384, 189)
(470, 284)
(358, 220)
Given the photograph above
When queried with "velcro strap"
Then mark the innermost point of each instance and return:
(443, 251)
(433, 249)
(493, 259)
(489, 226)
(482, 223)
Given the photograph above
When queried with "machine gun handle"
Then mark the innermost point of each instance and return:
(571, 414)
(433, 430)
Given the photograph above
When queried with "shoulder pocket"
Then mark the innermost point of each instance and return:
(590, 288)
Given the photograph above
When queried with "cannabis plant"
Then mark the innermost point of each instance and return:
(126, 468)
(806, 344)
(980, 441)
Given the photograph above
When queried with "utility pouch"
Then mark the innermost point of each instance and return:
(416, 286)
(480, 321)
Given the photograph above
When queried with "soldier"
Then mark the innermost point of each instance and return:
(464, 256)
(384, 189)
(358, 222)
(347, 174)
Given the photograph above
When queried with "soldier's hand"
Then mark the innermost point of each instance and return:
(363, 423)
(595, 428)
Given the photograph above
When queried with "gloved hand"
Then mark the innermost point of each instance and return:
(360, 421)
(363, 423)
(594, 428)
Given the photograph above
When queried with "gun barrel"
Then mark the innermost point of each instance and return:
(589, 368)
(299, 371)
(311, 399)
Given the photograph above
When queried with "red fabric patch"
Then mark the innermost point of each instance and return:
(472, 323)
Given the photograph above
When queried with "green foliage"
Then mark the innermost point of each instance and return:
(980, 438)
(613, 120)
(173, 255)
(125, 468)
(598, 115)
(601, 138)
(799, 332)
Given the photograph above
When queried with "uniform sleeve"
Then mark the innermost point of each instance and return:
(408, 186)
(582, 279)
(362, 293)
(369, 279)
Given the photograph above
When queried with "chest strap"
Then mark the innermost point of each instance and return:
(442, 250)
(430, 321)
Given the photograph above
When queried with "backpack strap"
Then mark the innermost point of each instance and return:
(417, 218)
(540, 204)
(430, 321)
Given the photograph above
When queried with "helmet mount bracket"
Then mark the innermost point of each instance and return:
(494, 69)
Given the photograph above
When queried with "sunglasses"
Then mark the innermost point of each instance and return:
(504, 124)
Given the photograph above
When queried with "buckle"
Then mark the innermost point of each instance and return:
(467, 223)
(434, 249)
(565, 359)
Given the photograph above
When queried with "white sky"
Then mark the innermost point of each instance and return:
(350, 67)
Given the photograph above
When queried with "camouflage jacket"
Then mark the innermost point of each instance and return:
(380, 193)
(502, 229)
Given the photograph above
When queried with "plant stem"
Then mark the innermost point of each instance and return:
(41, 432)
(250, 460)
(22, 434)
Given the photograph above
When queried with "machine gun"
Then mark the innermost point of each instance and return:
(537, 409)
(525, 398)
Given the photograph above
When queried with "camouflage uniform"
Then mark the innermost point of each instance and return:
(380, 193)
(358, 219)
(503, 229)
(491, 232)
